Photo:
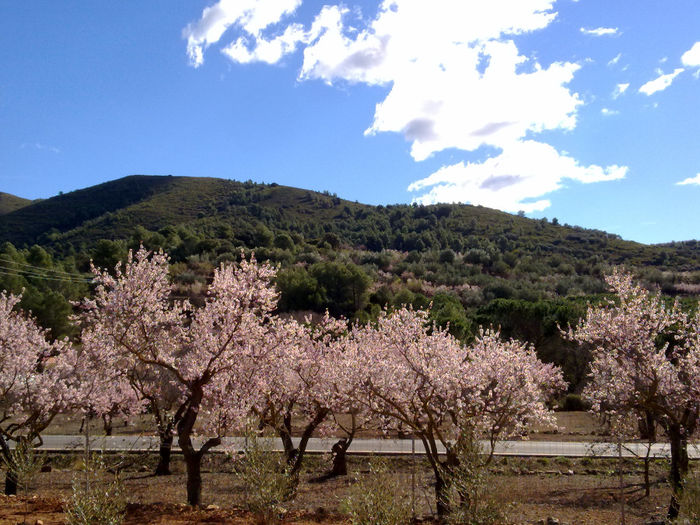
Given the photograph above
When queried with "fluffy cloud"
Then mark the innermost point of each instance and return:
(620, 89)
(607, 112)
(615, 60)
(456, 79)
(459, 82)
(660, 83)
(690, 180)
(251, 16)
(512, 180)
(691, 58)
(600, 31)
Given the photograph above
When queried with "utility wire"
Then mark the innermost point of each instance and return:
(13, 272)
(2, 260)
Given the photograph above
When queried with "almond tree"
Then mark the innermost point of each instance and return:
(34, 381)
(302, 384)
(215, 355)
(645, 361)
(411, 374)
(130, 321)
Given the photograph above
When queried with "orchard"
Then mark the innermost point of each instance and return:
(233, 363)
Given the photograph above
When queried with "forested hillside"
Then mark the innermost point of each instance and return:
(476, 266)
(10, 203)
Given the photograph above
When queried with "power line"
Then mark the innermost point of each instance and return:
(9, 271)
(40, 268)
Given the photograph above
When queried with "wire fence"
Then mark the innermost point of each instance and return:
(388, 447)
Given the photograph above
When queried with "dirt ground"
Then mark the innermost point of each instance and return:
(572, 426)
(572, 491)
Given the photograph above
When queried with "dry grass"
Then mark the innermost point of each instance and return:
(532, 489)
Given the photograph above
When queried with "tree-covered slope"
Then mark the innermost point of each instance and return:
(237, 211)
(476, 266)
(33, 223)
(10, 203)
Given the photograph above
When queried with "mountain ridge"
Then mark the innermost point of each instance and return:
(10, 203)
(114, 209)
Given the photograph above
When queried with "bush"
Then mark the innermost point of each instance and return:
(23, 463)
(469, 493)
(267, 479)
(690, 504)
(373, 498)
(94, 500)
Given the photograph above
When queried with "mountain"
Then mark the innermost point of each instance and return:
(476, 266)
(234, 211)
(10, 203)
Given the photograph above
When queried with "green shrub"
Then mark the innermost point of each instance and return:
(96, 500)
(690, 504)
(374, 498)
(469, 495)
(267, 479)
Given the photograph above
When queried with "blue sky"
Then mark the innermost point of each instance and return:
(588, 111)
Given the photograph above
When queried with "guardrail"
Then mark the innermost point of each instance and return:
(572, 449)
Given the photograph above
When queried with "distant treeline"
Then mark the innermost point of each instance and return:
(475, 265)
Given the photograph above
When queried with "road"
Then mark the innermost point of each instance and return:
(572, 449)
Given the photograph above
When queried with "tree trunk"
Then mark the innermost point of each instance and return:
(194, 479)
(193, 458)
(10, 483)
(441, 497)
(340, 464)
(305, 436)
(166, 445)
(679, 469)
(647, 482)
(290, 451)
(107, 424)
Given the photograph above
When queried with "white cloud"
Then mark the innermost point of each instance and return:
(456, 83)
(456, 79)
(691, 58)
(41, 147)
(511, 181)
(615, 60)
(690, 180)
(660, 83)
(252, 16)
(269, 51)
(620, 89)
(600, 31)
(606, 112)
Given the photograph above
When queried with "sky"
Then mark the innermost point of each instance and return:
(586, 110)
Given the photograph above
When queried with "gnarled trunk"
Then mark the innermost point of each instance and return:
(441, 495)
(194, 478)
(679, 469)
(107, 424)
(340, 463)
(10, 483)
(295, 455)
(193, 458)
(439, 470)
(166, 445)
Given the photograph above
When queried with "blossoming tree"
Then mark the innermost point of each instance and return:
(215, 355)
(129, 322)
(646, 361)
(303, 385)
(34, 381)
(411, 374)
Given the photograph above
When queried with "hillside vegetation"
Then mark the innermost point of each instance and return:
(477, 266)
(10, 203)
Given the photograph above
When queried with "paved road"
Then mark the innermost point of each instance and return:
(54, 443)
